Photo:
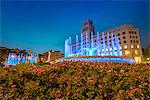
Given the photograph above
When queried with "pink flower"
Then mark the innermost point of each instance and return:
(109, 71)
(13, 86)
(105, 95)
(58, 91)
(101, 71)
(6, 67)
(68, 93)
(68, 82)
(91, 81)
(59, 95)
(99, 85)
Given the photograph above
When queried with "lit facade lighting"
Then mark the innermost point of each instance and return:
(138, 46)
(127, 52)
(132, 46)
(125, 46)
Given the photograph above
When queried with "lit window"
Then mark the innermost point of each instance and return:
(136, 52)
(106, 49)
(131, 46)
(120, 47)
(138, 46)
(110, 53)
(126, 52)
(106, 54)
(110, 48)
(125, 46)
(121, 53)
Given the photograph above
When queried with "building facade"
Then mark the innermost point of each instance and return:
(121, 41)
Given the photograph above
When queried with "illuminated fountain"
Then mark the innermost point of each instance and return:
(88, 50)
(14, 59)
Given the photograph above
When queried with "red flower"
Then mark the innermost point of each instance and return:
(6, 67)
(100, 92)
(68, 82)
(130, 94)
(50, 81)
(99, 85)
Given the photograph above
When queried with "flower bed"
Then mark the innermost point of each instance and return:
(75, 80)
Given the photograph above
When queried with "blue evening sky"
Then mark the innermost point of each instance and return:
(43, 25)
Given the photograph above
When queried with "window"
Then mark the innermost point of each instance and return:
(131, 41)
(95, 40)
(113, 35)
(131, 46)
(105, 37)
(135, 32)
(109, 36)
(102, 42)
(129, 32)
(130, 37)
(109, 40)
(124, 37)
(136, 37)
(123, 33)
(138, 46)
(125, 46)
(133, 36)
(119, 42)
(137, 41)
(126, 52)
(114, 43)
(118, 34)
(105, 41)
(136, 52)
(124, 41)
(134, 41)
(114, 39)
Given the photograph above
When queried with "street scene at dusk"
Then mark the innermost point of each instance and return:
(80, 50)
